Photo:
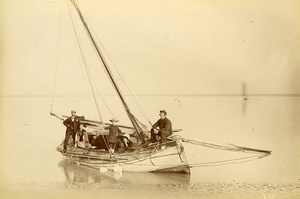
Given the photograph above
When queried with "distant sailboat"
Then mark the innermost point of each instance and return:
(141, 156)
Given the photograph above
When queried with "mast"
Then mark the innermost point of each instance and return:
(107, 69)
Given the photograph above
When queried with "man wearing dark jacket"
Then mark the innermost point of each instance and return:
(72, 124)
(162, 128)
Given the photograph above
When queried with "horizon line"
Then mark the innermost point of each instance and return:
(168, 95)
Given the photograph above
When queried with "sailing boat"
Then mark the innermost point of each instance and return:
(142, 155)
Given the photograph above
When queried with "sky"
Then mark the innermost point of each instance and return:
(158, 46)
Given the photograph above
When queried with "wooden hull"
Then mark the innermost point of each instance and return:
(75, 173)
(169, 157)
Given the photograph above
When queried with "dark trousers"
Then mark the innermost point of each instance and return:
(112, 145)
(68, 134)
(162, 135)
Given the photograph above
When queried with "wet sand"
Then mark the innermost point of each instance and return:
(145, 191)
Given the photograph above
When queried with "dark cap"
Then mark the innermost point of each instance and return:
(163, 111)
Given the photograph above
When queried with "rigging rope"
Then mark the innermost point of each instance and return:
(204, 164)
(84, 62)
(110, 59)
(199, 164)
(57, 58)
(138, 160)
(228, 161)
(225, 147)
(107, 69)
(87, 71)
(102, 97)
(95, 86)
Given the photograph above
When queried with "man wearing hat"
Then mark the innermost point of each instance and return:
(112, 135)
(162, 128)
(72, 124)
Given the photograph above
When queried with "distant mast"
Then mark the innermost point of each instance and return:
(136, 126)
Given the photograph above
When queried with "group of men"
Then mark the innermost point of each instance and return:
(159, 132)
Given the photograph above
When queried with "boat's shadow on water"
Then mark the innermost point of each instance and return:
(80, 174)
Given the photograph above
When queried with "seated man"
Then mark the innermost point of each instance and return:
(82, 135)
(162, 128)
(98, 142)
(123, 141)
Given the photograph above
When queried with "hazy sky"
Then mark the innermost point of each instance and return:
(159, 46)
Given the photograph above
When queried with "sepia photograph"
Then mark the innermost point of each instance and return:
(145, 99)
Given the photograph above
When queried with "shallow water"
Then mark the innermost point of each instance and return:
(30, 136)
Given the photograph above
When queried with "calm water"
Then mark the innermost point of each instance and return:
(30, 136)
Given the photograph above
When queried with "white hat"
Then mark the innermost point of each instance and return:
(114, 120)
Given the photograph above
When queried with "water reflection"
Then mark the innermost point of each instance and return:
(76, 173)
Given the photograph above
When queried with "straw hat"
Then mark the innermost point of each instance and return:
(114, 120)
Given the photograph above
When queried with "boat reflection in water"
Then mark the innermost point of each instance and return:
(78, 173)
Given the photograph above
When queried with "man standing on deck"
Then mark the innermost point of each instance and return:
(72, 124)
(162, 128)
